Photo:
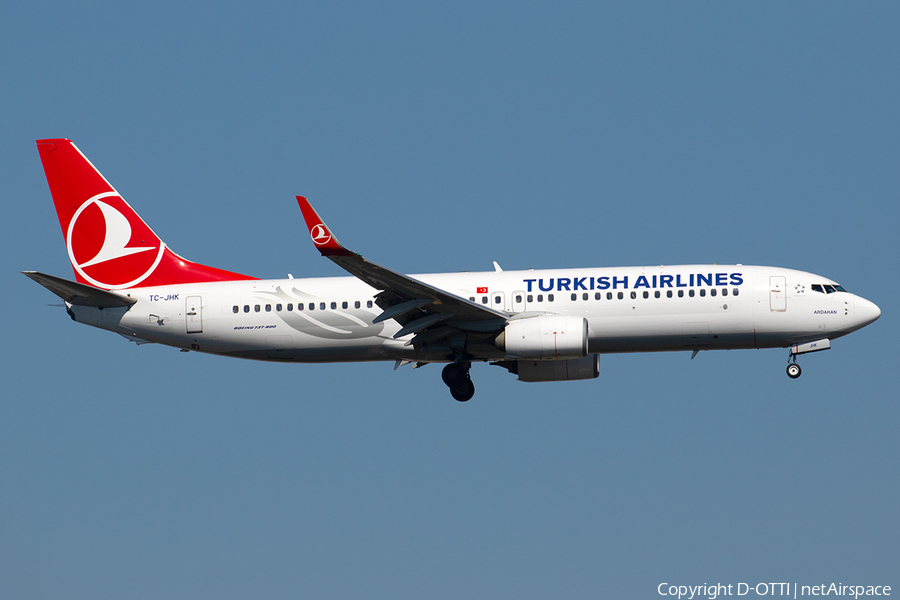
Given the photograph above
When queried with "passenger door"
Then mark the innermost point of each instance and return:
(193, 314)
(777, 293)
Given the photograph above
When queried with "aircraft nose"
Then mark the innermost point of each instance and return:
(866, 312)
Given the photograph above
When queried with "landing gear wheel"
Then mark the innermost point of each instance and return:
(454, 375)
(463, 393)
(793, 370)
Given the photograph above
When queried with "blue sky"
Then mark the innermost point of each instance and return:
(436, 139)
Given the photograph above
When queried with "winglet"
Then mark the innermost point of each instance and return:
(319, 232)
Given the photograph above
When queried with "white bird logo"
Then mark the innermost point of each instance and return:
(118, 233)
(320, 235)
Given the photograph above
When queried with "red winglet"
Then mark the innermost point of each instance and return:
(319, 232)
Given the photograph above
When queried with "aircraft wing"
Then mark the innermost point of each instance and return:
(419, 307)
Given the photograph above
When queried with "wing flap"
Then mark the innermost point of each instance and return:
(401, 309)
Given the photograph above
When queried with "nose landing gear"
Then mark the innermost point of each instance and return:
(456, 377)
(793, 369)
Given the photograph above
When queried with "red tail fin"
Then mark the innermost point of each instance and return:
(109, 245)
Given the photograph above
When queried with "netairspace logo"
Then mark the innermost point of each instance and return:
(713, 591)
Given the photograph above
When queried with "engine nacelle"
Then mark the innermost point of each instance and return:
(587, 367)
(545, 337)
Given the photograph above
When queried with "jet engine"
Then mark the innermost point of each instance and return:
(545, 337)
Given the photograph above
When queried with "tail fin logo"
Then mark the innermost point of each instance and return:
(107, 248)
(320, 235)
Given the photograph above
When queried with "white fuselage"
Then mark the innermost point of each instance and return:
(628, 309)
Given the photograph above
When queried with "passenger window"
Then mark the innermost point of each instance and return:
(681, 293)
(235, 309)
(549, 297)
(290, 307)
(646, 295)
(597, 296)
(609, 295)
(633, 295)
(471, 298)
(668, 293)
(300, 306)
(621, 295)
(496, 299)
(529, 298)
(368, 304)
(278, 307)
(246, 308)
(712, 292)
(484, 299)
(256, 308)
(735, 292)
(344, 304)
(321, 306)
(584, 296)
(540, 297)
(817, 288)
(268, 308)
(691, 292)
(518, 298)
(574, 297)
(702, 292)
(356, 304)
(724, 291)
(312, 306)
(656, 294)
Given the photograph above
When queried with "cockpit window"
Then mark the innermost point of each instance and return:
(827, 288)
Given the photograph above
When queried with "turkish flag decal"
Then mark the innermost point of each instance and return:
(481, 290)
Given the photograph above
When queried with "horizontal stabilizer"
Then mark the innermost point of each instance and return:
(79, 293)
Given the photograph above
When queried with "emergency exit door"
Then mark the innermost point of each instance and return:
(193, 314)
(518, 301)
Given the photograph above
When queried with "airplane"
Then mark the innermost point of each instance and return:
(541, 325)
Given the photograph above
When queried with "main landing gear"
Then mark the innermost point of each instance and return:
(456, 377)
